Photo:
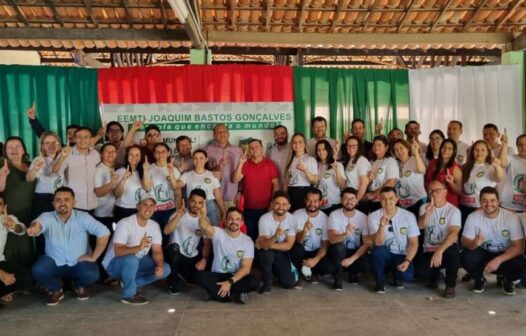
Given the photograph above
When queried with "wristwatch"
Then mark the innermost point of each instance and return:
(231, 281)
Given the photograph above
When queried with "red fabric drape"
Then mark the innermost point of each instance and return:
(195, 83)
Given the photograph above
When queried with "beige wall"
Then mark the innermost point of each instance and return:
(19, 57)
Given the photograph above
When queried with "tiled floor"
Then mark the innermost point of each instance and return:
(315, 310)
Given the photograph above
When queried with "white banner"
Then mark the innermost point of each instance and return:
(196, 120)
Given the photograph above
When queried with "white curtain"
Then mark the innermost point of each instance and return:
(473, 95)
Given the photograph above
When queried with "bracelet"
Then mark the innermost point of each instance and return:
(409, 261)
(231, 281)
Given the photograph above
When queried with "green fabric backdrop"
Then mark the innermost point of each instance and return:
(62, 96)
(344, 94)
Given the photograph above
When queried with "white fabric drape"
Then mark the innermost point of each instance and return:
(473, 95)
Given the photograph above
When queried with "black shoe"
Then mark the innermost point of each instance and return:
(337, 286)
(241, 298)
(175, 290)
(314, 279)
(398, 284)
(480, 285)
(449, 292)
(266, 288)
(509, 287)
(379, 289)
(500, 280)
(353, 279)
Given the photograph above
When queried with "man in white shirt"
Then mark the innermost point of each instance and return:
(441, 221)
(78, 165)
(493, 242)
(183, 252)
(394, 233)
(280, 151)
(454, 130)
(349, 237)
(277, 233)
(127, 258)
(309, 253)
(230, 278)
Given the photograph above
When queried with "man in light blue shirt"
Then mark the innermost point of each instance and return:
(68, 253)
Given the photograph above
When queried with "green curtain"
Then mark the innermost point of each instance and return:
(343, 95)
(62, 96)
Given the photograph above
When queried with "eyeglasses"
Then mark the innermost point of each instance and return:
(436, 190)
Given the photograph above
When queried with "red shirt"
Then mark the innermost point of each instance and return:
(257, 183)
(441, 176)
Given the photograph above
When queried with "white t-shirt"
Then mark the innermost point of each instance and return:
(187, 235)
(410, 187)
(128, 232)
(132, 190)
(207, 181)
(402, 227)
(228, 251)
(268, 226)
(498, 232)
(105, 203)
(522, 218)
(47, 182)
(328, 186)
(161, 188)
(481, 176)
(353, 172)
(462, 153)
(439, 223)
(384, 169)
(338, 222)
(317, 234)
(298, 178)
(511, 190)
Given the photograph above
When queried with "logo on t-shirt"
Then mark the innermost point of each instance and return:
(350, 168)
(442, 220)
(518, 182)
(407, 173)
(379, 171)
(505, 233)
(227, 265)
(326, 175)
(198, 233)
(403, 231)
(208, 180)
(480, 174)
(240, 253)
(319, 231)
(357, 232)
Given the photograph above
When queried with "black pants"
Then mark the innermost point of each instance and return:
(180, 264)
(277, 263)
(209, 280)
(22, 276)
(450, 261)
(252, 217)
(330, 209)
(475, 260)
(120, 213)
(297, 197)
(338, 252)
(298, 254)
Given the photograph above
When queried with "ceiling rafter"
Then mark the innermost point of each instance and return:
(371, 12)
(441, 15)
(337, 15)
(163, 14)
(128, 14)
(474, 15)
(19, 12)
(57, 16)
(268, 13)
(301, 20)
(404, 16)
(233, 14)
(508, 14)
(87, 4)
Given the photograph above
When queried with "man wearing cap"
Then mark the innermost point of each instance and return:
(260, 178)
(230, 278)
(128, 259)
(395, 241)
(67, 250)
(183, 251)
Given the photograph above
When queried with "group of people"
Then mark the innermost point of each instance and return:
(103, 208)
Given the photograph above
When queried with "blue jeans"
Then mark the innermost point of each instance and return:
(382, 261)
(47, 273)
(212, 213)
(134, 272)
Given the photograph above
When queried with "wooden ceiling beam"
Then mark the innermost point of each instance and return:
(163, 14)
(87, 4)
(268, 14)
(474, 15)
(232, 12)
(337, 15)
(128, 14)
(57, 16)
(19, 12)
(404, 16)
(510, 12)
(440, 15)
(368, 18)
(301, 20)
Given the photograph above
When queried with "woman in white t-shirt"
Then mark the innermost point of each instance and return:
(332, 177)
(410, 187)
(201, 178)
(301, 172)
(512, 190)
(384, 172)
(134, 179)
(106, 180)
(40, 169)
(481, 170)
(165, 188)
(357, 169)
